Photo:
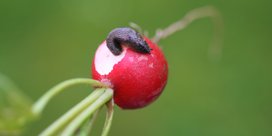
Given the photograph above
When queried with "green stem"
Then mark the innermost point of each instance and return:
(109, 117)
(86, 129)
(75, 124)
(41, 103)
(66, 118)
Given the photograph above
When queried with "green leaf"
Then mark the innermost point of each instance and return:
(15, 108)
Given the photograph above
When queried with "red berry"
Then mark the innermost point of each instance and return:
(136, 78)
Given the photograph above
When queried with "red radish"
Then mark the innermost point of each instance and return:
(137, 78)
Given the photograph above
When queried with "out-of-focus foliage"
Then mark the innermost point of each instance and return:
(15, 108)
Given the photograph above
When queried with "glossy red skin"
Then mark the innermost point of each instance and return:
(139, 82)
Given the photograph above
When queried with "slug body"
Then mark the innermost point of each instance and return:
(126, 36)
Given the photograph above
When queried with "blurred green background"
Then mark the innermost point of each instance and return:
(45, 42)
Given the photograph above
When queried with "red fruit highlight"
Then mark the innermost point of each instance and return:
(136, 78)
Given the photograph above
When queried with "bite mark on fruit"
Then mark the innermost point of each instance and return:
(109, 60)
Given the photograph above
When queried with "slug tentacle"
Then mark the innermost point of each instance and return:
(130, 37)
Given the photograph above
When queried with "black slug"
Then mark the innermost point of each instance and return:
(128, 36)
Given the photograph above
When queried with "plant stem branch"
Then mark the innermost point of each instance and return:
(109, 117)
(86, 129)
(75, 124)
(66, 118)
(195, 14)
(38, 107)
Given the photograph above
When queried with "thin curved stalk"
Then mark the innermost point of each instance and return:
(71, 114)
(42, 102)
(109, 117)
(86, 129)
(75, 124)
(193, 15)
